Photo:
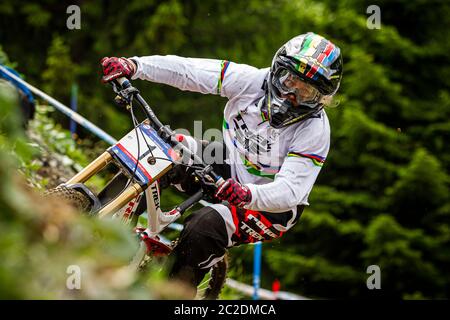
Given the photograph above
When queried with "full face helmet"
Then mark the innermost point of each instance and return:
(304, 71)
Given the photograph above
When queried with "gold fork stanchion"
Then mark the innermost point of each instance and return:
(91, 169)
(122, 199)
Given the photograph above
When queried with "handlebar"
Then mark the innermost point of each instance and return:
(122, 81)
(124, 88)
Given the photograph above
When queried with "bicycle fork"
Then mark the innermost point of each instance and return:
(92, 169)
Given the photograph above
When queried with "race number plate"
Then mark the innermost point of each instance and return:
(126, 151)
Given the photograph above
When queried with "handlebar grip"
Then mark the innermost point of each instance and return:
(123, 82)
(220, 181)
(190, 201)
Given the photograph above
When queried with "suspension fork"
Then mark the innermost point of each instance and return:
(122, 199)
(91, 169)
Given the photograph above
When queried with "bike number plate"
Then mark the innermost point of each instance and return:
(149, 144)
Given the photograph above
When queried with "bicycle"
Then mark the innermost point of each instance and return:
(144, 156)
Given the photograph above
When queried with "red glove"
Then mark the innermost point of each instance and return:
(235, 193)
(114, 68)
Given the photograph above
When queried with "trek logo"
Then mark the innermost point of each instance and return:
(253, 222)
(251, 232)
(155, 195)
(253, 143)
(262, 226)
(129, 210)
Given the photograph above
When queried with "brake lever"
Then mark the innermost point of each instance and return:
(115, 85)
(125, 92)
(208, 178)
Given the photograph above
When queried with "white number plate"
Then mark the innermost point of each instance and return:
(126, 150)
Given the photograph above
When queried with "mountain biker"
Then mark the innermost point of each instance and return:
(276, 134)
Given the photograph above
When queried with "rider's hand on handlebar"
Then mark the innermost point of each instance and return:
(236, 194)
(114, 68)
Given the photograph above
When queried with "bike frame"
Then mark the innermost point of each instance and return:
(145, 176)
(144, 155)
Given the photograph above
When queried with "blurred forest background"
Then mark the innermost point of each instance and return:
(382, 197)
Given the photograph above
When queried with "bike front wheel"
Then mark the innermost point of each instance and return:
(74, 197)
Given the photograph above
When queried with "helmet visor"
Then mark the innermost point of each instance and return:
(291, 86)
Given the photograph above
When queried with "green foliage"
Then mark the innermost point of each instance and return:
(55, 137)
(382, 196)
(10, 119)
(5, 60)
(314, 274)
(59, 75)
(165, 28)
(403, 254)
(421, 189)
(50, 140)
(42, 239)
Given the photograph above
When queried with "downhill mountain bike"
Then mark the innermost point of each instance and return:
(143, 157)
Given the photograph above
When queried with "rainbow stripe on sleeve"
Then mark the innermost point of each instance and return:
(223, 69)
(316, 159)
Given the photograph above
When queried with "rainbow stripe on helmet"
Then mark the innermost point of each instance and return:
(318, 53)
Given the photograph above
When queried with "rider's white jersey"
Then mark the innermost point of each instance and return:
(279, 166)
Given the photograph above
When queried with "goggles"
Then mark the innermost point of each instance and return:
(290, 84)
